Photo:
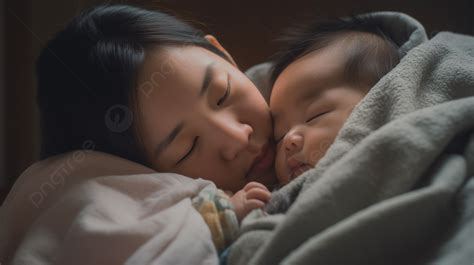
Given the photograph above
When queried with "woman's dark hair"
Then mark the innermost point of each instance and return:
(87, 77)
(371, 52)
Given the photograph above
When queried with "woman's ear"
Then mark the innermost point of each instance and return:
(212, 40)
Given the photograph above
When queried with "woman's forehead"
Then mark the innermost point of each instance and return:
(172, 72)
(169, 87)
(174, 61)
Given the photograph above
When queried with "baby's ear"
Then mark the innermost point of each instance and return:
(212, 40)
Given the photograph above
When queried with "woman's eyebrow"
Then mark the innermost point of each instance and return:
(208, 76)
(169, 139)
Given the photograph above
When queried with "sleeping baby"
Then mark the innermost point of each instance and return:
(318, 79)
(325, 70)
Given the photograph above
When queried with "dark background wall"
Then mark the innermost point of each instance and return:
(2, 97)
(246, 29)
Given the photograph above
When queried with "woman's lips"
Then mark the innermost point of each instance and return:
(263, 161)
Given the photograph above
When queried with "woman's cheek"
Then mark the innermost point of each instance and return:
(255, 111)
(280, 166)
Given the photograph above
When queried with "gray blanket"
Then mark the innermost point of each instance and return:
(395, 186)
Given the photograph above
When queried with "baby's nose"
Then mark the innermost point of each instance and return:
(293, 142)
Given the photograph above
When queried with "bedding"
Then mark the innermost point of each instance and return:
(87, 207)
(396, 186)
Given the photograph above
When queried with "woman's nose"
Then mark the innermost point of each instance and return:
(233, 136)
(293, 142)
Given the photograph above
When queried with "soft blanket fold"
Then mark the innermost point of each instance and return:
(87, 207)
(388, 189)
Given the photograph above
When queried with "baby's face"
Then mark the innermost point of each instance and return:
(310, 102)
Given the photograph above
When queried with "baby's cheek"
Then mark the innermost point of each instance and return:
(317, 144)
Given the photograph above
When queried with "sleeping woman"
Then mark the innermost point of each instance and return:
(158, 93)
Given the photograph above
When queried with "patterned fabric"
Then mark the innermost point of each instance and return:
(218, 213)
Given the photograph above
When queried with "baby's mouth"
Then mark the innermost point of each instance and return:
(298, 170)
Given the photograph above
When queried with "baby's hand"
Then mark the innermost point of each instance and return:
(253, 196)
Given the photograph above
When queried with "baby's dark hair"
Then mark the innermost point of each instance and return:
(370, 52)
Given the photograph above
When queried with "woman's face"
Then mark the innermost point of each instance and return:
(201, 117)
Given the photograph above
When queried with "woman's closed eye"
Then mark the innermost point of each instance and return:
(190, 151)
(219, 102)
(226, 94)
